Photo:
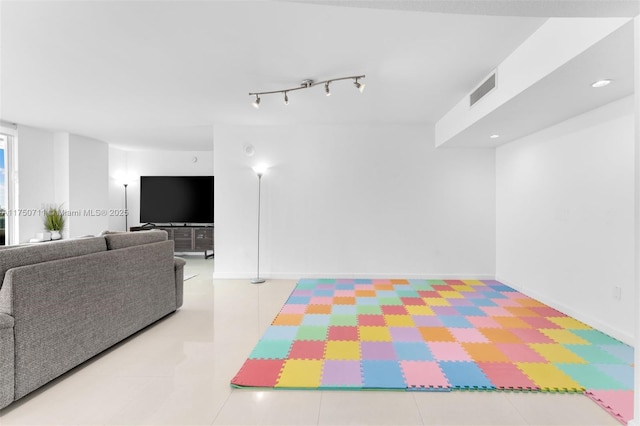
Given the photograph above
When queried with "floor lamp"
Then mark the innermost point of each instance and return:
(126, 212)
(259, 172)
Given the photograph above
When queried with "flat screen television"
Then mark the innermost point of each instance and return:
(176, 199)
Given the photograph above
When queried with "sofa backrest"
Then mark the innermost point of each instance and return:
(121, 240)
(42, 252)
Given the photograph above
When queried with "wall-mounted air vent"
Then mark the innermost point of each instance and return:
(488, 85)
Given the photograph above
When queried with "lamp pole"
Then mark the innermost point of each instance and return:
(257, 279)
(126, 212)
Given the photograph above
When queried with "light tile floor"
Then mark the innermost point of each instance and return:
(178, 371)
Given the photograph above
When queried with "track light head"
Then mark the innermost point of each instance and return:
(286, 99)
(359, 86)
(256, 103)
(326, 89)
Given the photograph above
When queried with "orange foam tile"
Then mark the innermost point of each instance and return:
(499, 335)
(288, 319)
(344, 300)
(436, 334)
(319, 309)
(521, 312)
(511, 322)
(484, 352)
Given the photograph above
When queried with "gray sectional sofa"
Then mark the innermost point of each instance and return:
(63, 302)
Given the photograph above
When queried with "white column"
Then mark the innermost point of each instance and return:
(636, 398)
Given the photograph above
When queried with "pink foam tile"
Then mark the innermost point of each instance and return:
(483, 322)
(496, 311)
(539, 322)
(529, 335)
(468, 335)
(506, 302)
(424, 375)
(546, 311)
(515, 295)
(518, 352)
(364, 287)
(617, 402)
(293, 309)
(448, 351)
(381, 281)
(505, 375)
(321, 300)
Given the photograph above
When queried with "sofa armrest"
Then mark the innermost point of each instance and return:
(178, 265)
(7, 347)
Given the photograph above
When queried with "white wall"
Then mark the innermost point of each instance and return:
(159, 163)
(36, 165)
(344, 201)
(61, 169)
(565, 216)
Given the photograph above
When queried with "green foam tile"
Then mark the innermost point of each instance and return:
(593, 354)
(596, 337)
(271, 349)
(346, 319)
(312, 332)
(589, 377)
(369, 310)
(390, 301)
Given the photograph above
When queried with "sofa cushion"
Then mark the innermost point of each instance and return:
(42, 252)
(128, 239)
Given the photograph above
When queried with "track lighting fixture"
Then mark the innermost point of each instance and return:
(306, 84)
(256, 103)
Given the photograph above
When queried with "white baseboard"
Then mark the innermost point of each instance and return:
(633, 422)
(351, 275)
(580, 316)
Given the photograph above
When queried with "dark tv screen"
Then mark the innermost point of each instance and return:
(176, 199)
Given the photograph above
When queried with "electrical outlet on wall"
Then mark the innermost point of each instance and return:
(617, 292)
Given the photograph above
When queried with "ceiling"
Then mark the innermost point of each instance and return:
(159, 75)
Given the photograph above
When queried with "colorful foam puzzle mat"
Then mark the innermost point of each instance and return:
(435, 335)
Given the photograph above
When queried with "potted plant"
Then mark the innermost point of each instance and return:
(54, 221)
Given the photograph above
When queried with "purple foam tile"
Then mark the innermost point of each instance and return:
(474, 295)
(302, 292)
(460, 302)
(325, 286)
(377, 351)
(445, 310)
(405, 334)
(426, 321)
(341, 373)
(345, 281)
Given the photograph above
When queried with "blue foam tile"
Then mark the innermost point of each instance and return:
(363, 281)
(465, 375)
(382, 374)
(413, 351)
(366, 300)
(470, 311)
(408, 293)
(483, 302)
(321, 292)
(620, 351)
(316, 319)
(280, 332)
(350, 286)
(307, 283)
(619, 372)
(344, 309)
(455, 321)
(493, 295)
(298, 300)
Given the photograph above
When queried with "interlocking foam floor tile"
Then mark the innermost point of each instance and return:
(316, 319)
(377, 351)
(436, 334)
(505, 375)
(412, 351)
(448, 351)
(283, 332)
(527, 335)
(341, 374)
(564, 336)
(271, 349)
(594, 354)
(618, 403)
(399, 321)
(405, 334)
(258, 373)
(422, 310)
(596, 337)
(499, 335)
(519, 352)
(451, 321)
(318, 309)
(307, 349)
(343, 333)
(556, 353)
(311, 332)
(511, 322)
(342, 349)
(622, 373)
(299, 373)
(483, 322)
(481, 352)
(465, 375)
(622, 352)
(382, 375)
(548, 377)
(468, 335)
(343, 319)
(424, 375)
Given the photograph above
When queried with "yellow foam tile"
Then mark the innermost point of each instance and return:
(569, 323)
(419, 310)
(450, 294)
(458, 287)
(436, 301)
(553, 352)
(563, 336)
(399, 321)
(549, 377)
(342, 349)
(300, 373)
(473, 282)
(370, 333)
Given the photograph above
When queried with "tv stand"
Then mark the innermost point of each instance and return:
(186, 238)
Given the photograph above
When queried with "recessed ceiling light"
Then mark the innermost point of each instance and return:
(601, 83)
(494, 136)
